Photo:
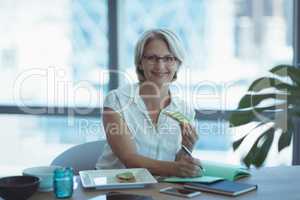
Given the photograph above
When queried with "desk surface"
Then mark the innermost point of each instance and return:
(273, 183)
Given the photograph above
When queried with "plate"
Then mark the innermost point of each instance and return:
(106, 178)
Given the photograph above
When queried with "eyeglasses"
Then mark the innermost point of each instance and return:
(153, 59)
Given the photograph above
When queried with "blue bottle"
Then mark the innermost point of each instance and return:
(63, 182)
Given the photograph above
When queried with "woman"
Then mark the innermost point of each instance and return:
(139, 132)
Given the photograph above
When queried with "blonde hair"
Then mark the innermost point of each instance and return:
(172, 40)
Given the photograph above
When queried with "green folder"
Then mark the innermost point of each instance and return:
(213, 172)
(226, 171)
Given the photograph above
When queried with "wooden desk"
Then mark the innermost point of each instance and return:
(273, 183)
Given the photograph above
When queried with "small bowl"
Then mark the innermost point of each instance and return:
(45, 173)
(18, 187)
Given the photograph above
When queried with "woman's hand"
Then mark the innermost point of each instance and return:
(187, 166)
(189, 136)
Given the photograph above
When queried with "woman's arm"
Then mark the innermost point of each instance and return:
(119, 138)
(189, 135)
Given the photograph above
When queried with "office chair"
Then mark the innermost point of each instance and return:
(81, 157)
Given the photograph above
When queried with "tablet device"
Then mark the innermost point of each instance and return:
(182, 192)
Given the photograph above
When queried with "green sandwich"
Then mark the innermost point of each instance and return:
(126, 177)
(177, 116)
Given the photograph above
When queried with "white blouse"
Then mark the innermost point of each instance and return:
(161, 142)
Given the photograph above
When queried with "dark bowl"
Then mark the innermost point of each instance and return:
(18, 187)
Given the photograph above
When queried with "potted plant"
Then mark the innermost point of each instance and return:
(272, 102)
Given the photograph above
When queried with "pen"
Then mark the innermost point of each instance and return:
(190, 154)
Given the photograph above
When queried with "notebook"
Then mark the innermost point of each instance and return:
(229, 188)
(213, 172)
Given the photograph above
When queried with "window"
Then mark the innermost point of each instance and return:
(53, 53)
(228, 43)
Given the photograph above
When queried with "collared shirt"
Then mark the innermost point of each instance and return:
(160, 142)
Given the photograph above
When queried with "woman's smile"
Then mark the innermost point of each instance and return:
(160, 74)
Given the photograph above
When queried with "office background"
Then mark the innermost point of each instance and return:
(59, 58)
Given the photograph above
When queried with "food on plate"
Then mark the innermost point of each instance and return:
(125, 177)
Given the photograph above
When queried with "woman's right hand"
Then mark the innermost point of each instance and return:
(186, 166)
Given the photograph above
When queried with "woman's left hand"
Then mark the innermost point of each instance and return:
(189, 135)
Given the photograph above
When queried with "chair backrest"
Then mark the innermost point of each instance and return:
(81, 157)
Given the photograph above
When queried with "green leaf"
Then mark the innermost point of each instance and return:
(251, 100)
(257, 154)
(239, 118)
(297, 114)
(281, 120)
(263, 151)
(293, 100)
(285, 137)
(238, 142)
(242, 117)
(269, 82)
(287, 70)
(249, 110)
(248, 160)
(284, 140)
